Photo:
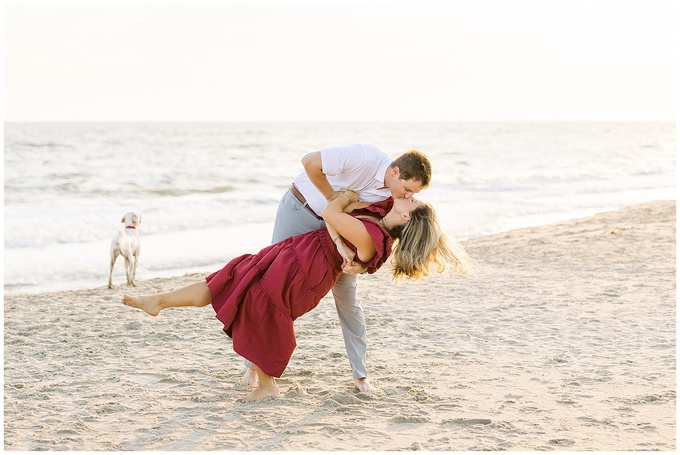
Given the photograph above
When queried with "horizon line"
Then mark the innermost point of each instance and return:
(359, 121)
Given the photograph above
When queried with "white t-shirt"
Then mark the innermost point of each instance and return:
(358, 167)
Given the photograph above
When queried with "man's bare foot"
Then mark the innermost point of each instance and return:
(249, 377)
(264, 390)
(363, 385)
(146, 303)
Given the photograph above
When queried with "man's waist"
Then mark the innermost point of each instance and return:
(300, 197)
(317, 201)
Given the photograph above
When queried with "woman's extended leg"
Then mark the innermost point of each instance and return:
(266, 387)
(197, 294)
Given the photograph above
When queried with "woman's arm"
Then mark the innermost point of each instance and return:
(349, 209)
(349, 227)
(347, 254)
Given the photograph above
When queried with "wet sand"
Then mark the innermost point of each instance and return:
(564, 340)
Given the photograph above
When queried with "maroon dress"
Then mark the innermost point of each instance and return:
(258, 296)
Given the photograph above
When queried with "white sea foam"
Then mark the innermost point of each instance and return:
(208, 191)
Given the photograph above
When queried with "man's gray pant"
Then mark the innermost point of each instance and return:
(292, 218)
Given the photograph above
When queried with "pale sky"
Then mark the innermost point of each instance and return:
(475, 60)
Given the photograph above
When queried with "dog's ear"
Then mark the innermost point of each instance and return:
(122, 220)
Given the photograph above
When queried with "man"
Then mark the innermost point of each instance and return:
(375, 176)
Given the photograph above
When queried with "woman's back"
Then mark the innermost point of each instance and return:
(258, 296)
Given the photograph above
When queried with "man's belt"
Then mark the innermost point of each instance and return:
(303, 201)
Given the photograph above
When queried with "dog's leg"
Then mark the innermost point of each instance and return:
(128, 269)
(134, 270)
(114, 255)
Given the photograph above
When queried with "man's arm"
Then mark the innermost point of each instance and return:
(314, 169)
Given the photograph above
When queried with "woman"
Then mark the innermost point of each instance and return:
(257, 297)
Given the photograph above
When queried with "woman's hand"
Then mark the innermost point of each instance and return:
(354, 268)
(353, 196)
(352, 229)
(345, 252)
(348, 265)
(335, 195)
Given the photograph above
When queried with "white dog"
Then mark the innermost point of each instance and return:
(126, 244)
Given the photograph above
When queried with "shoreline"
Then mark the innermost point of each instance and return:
(564, 340)
(88, 284)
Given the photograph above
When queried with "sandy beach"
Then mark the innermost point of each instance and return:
(564, 340)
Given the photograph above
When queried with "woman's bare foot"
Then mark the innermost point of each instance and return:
(147, 303)
(249, 377)
(265, 389)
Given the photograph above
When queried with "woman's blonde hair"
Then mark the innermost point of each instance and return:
(422, 248)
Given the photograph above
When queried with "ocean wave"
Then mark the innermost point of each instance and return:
(80, 187)
(187, 191)
(18, 145)
(209, 191)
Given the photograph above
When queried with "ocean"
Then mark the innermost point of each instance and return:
(208, 192)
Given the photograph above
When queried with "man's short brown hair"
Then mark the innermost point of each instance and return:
(414, 165)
